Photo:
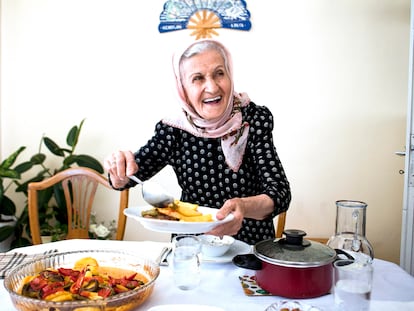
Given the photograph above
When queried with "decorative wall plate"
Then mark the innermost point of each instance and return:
(204, 16)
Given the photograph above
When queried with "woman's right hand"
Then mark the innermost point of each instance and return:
(120, 165)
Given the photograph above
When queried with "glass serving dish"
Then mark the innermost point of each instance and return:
(106, 258)
(290, 305)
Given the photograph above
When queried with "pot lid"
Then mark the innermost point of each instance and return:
(294, 251)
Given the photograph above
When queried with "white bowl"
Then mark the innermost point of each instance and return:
(214, 246)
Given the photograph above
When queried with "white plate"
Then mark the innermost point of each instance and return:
(237, 248)
(176, 226)
(184, 307)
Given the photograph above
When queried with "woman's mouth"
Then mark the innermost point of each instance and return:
(214, 100)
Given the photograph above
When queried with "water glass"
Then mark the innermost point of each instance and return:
(186, 261)
(352, 285)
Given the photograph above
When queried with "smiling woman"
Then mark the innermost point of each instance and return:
(219, 144)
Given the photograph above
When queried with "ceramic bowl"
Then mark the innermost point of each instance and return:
(214, 246)
(108, 258)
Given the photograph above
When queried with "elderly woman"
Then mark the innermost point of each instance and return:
(220, 147)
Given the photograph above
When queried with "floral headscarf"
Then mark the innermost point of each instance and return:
(229, 126)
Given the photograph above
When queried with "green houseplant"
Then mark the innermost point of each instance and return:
(52, 205)
(8, 219)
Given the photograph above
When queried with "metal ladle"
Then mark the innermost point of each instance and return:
(153, 193)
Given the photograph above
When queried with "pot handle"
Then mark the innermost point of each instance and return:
(247, 261)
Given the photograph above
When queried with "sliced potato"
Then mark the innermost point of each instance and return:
(59, 296)
(86, 262)
(202, 218)
(183, 210)
(170, 212)
(186, 205)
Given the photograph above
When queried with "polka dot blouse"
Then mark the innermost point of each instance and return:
(205, 178)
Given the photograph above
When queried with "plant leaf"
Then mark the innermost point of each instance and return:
(38, 158)
(5, 232)
(53, 147)
(7, 206)
(8, 173)
(7, 163)
(72, 138)
(23, 186)
(73, 135)
(23, 167)
(86, 161)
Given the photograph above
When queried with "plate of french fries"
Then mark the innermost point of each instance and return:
(177, 217)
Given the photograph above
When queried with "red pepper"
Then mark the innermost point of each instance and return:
(74, 289)
(38, 283)
(105, 292)
(73, 274)
(120, 289)
(131, 277)
(51, 288)
(130, 284)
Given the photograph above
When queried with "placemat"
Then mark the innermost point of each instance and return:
(10, 260)
(250, 287)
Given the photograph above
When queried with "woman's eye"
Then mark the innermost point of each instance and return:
(220, 73)
(197, 78)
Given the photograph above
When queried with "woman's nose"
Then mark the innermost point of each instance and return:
(211, 85)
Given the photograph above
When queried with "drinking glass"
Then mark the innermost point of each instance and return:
(352, 285)
(186, 261)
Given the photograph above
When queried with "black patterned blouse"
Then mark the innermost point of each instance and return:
(205, 178)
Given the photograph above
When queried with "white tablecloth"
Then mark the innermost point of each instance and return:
(393, 288)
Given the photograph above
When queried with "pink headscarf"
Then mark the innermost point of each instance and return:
(229, 126)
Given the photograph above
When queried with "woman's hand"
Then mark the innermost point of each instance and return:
(233, 206)
(120, 165)
(256, 207)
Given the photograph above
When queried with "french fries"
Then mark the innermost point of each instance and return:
(181, 211)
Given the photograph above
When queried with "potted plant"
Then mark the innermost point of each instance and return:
(52, 205)
(8, 219)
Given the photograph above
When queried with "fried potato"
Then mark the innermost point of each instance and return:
(184, 211)
(186, 205)
(201, 218)
(59, 296)
(169, 212)
(86, 262)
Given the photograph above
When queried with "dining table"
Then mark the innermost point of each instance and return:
(221, 281)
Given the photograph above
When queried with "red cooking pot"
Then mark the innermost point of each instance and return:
(291, 267)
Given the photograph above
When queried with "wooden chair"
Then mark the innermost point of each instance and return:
(79, 186)
(280, 220)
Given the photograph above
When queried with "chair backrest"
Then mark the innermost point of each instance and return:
(79, 186)
(280, 221)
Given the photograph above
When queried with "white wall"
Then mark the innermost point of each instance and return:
(334, 73)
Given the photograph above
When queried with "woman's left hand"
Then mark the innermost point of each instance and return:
(255, 207)
(233, 206)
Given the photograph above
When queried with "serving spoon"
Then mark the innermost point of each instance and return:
(153, 193)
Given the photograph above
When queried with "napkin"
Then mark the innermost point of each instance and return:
(10, 260)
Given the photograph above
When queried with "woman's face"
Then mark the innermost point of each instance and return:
(206, 83)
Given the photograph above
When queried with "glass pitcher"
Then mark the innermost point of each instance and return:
(350, 230)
